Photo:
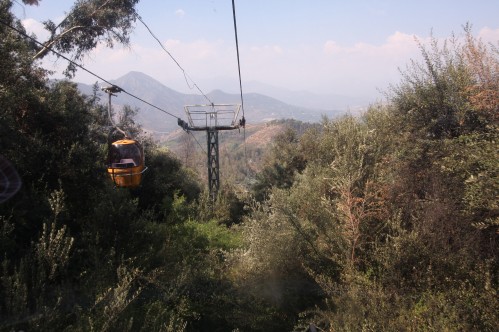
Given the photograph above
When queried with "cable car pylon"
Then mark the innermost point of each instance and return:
(212, 118)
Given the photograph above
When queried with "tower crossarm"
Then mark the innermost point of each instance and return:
(214, 116)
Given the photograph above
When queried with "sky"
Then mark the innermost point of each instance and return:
(351, 48)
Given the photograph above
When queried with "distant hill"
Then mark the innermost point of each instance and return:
(309, 99)
(258, 107)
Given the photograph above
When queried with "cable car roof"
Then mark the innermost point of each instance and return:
(125, 141)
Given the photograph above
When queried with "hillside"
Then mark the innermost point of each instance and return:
(241, 152)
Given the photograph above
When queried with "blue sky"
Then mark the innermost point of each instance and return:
(325, 46)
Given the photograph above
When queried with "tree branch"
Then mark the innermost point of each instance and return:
(52, 41)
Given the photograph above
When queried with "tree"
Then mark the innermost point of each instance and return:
(88, 23)
(454, 92)
(284, 161)
(32, 2)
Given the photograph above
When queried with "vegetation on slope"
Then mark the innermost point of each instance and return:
(387, 222)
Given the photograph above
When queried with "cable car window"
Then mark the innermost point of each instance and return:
(124, 155)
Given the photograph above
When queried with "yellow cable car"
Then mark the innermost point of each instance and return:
(126, 163)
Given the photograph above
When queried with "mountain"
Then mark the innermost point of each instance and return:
(309, 99)
(257, 107)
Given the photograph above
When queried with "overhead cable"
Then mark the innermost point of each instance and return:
(199, 144)
(22, 33)
(243, 120)
(186, 76)
(237, 50)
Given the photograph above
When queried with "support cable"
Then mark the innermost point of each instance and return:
(186, 76)
(243, 120)
(111, 90)
(85, 69)
(238, 62)
(199, 144)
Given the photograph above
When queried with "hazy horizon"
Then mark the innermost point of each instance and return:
(352, 48)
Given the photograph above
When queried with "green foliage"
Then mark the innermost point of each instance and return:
(285, 160)
(164, 178)
(452, 93)
(384, 222)
(218, 236)
(472, 165)
(393, 213)
(35, 289)
(77, 253)
(228, 208)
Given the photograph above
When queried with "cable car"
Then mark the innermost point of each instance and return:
(126, 163)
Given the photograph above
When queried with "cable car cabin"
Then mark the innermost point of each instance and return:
(126, 163)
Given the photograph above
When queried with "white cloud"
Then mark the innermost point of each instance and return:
(202, 61)
(197, 50)
(267, 50)
(33, 26)
(489, 35)
(171, 43)
(399, 37)
(277, 49)
(331, 47)
(396, 44)
(180, 13)
(362, 68)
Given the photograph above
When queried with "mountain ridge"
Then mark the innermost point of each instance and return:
(257, 107)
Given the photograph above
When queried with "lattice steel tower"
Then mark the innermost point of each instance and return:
(212, 118)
